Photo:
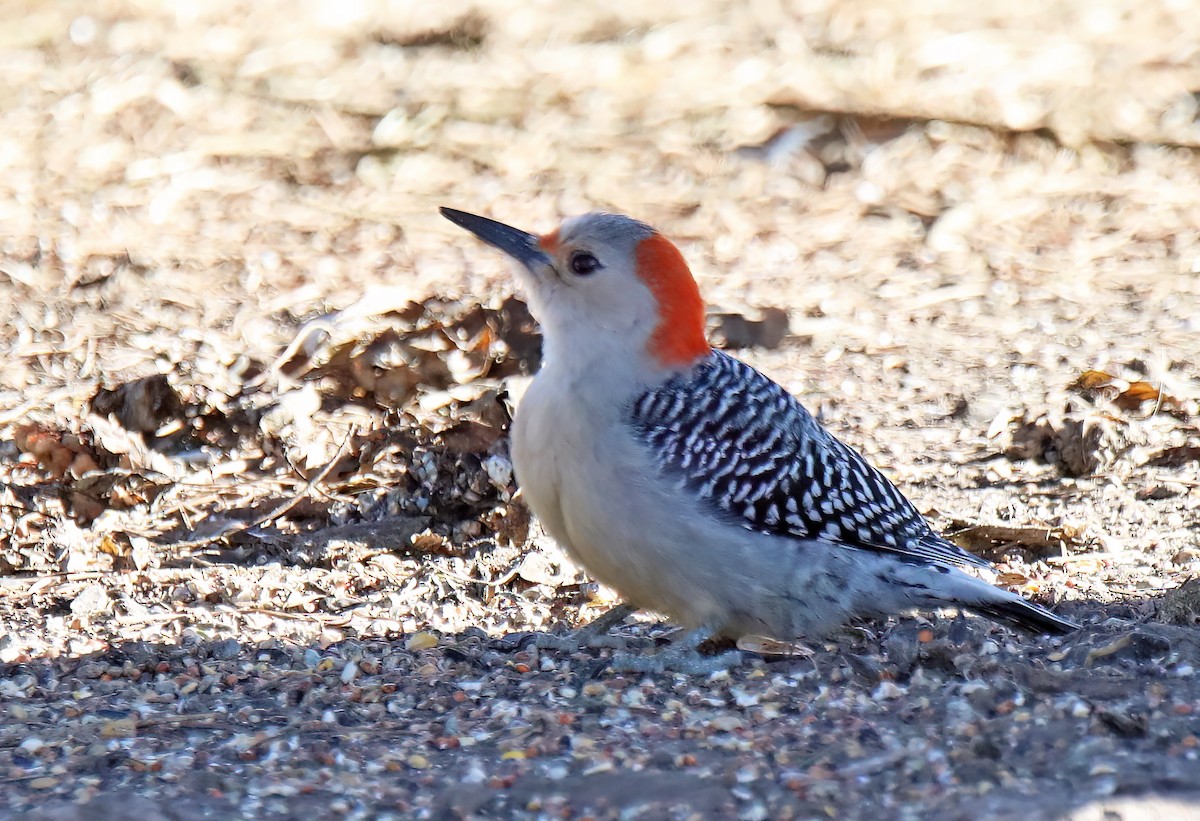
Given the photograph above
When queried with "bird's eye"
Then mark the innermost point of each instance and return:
(583, 263)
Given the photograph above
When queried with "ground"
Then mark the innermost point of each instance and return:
(259, 546)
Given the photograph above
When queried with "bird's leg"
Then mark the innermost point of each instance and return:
(592, 634)
(682, 656)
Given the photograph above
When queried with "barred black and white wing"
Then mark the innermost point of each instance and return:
(748, 448)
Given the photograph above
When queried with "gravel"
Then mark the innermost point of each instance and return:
(261, 549)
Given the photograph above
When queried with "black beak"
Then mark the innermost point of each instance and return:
(523, 247)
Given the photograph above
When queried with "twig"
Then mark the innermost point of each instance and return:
(335, 621)
(508, 576)
(149, 618)
(18, 581)
(1179, 480)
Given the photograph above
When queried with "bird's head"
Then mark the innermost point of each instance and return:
(608, 281)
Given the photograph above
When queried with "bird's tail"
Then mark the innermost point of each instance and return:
(1025, 615)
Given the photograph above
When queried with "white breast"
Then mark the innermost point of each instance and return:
(595, 490)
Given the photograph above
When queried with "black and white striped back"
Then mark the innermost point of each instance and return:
(748, 448)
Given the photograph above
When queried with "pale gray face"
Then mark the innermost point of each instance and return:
(582, 275)
(618, 306)
(595, 234)
(572, 251)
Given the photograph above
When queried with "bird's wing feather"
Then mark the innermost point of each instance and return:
(750, 449)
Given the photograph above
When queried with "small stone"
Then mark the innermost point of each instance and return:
(887, 691)
(1186, 555)
(422, 640)
(1181, 605)
(418, 762)
(43, 783)
(755, 812)
(743, 698)
(979, 695)
(226, 649)
(499, 470)
(119, 728)
(90, 669)
(727, 723)
(91, 601)
(142, 552)
(746, 775)
(9, 651)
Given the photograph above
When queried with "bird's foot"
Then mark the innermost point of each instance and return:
(592, 634)
(682, 656)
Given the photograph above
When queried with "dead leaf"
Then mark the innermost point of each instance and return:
(470, 437)
(735, 331)
(115, 489)
(538, 568)
(421, 640)
(1080, 445)
(510, 523)
(129, 447)
(466, 32)
(113, 548)
(1126, 395)
(429, 542)
(1174, 457)
(518, 330)
(994, 541)
(387, 356)
(91, 601)
(119, 728)
(143, 405)
(1091, 380)
(766, 646)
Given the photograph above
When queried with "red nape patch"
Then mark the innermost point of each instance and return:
(678, 338)
(549, 242)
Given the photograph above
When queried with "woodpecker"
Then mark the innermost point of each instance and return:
(687, 480)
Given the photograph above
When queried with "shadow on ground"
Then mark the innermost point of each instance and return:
(953, 718)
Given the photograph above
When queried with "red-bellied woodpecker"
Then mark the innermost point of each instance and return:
(690, 482)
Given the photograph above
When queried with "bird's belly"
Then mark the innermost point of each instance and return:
(538, 445)
(600, 496)
(609, 512)
(587, 499)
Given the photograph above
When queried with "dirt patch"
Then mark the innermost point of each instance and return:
(259, 538)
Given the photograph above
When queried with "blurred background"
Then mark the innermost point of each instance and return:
(286, 156)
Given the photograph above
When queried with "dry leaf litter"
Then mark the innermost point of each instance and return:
(260, 549)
